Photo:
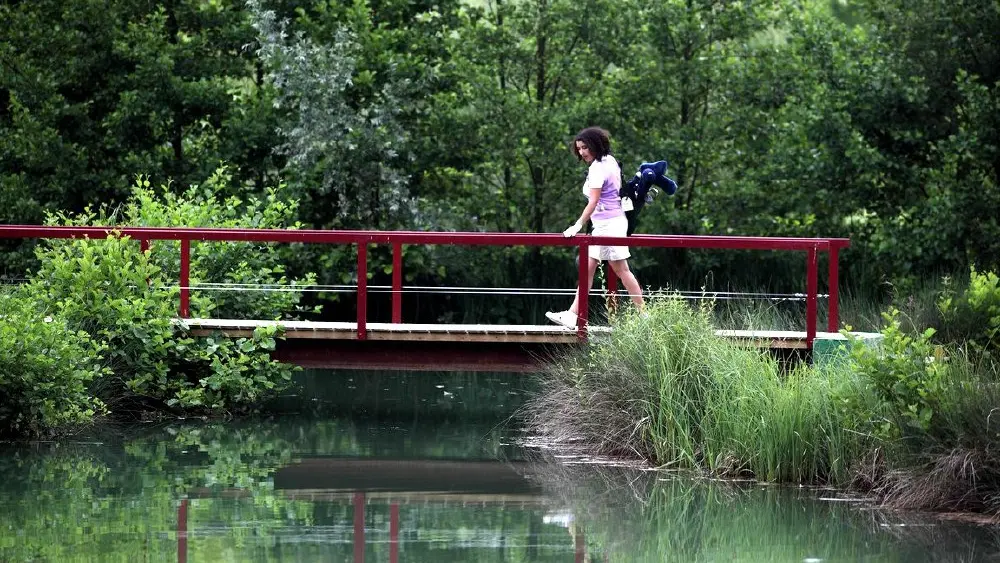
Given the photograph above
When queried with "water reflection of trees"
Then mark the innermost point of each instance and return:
(631, 514)
(116, 497)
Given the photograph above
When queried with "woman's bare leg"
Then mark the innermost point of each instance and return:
(620, 268)
(591, 269)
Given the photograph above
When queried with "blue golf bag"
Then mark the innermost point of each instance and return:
(643, 187)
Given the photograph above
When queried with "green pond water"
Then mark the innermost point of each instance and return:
(415, 467)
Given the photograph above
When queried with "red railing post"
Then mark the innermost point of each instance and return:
(812, 281)
(583, 292)
(833, 285)
(362, 290)
(182, 531)
(144, 248)
(397, 283)
(185, 278)
(394, 532)
(359, 528)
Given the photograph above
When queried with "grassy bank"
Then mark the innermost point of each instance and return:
(910, 420)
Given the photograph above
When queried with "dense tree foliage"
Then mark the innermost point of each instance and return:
(874, 119)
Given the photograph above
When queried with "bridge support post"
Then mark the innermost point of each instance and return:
(185, 311)
(359, 528)
(182, 531)
(394, 533)
(612, 289)
(362, 290)
(812, 281)
(144, 249)
(397, 283)
(833, 287)
(583, 292)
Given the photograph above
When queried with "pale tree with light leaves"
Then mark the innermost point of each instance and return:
(342, 145)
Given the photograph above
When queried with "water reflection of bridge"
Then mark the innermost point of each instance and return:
(372, 487)
(402, 475)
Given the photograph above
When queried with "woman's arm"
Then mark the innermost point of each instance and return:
(595, 196)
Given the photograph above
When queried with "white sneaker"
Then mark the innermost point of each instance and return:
(564, 318)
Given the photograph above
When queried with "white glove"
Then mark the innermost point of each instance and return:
(573, 230)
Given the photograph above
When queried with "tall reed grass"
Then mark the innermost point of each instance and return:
(915, 420)
(664, 387)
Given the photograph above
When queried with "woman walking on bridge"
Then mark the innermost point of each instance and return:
(604, 208)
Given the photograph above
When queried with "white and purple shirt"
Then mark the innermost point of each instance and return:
(606, 175)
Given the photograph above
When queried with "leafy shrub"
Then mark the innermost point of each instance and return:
(101, 287)
(908, 373)
(973, 316)
(45, 368)
(955, 465)
(240, 372)
(940, 426)
(128, 299)
(231, 273)
(918, 366)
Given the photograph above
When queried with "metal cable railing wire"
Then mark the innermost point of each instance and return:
(466, 290)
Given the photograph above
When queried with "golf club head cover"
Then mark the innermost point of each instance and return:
(656, 172)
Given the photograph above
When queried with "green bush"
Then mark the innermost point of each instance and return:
(101, 287)
(907, 372)
(940, 426)
(236, 279)
(129, 299)
(939, 397)
(956, 466)
(973, 316)
(917, 366)
(45, 368)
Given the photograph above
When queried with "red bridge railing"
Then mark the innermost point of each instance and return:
(362, 239)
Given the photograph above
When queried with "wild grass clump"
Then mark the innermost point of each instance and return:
(914, 419)
(941, 422)
(666, 388)
(952, 463)
(936, 378)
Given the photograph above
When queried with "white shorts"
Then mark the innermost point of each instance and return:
(614, 227)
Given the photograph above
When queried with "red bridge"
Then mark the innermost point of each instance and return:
(397, 344)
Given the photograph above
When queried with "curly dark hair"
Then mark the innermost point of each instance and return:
(597, 140)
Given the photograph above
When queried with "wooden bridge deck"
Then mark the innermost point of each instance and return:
(317, 330)
(447, 347)
(402, 332)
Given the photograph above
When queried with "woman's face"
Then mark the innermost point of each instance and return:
(584, 151)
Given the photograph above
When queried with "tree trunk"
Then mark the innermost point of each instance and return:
(177, 129)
